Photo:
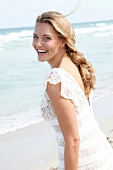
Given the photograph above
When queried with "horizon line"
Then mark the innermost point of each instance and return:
(70, 22)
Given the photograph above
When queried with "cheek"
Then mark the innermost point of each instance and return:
(34, 44)
(54, 46)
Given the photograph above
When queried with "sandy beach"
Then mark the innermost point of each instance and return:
(31, 148)
(35, 148)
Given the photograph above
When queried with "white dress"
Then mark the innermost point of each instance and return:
(95, 151)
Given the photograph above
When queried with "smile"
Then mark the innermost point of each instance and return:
(42, 51)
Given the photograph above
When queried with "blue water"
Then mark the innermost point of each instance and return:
(22, 76)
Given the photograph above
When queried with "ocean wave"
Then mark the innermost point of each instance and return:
(94, 29)
(102, 96)
(27, 34)
(102, 35)
(16, 36)
(18, 121)
(101, 24)
(84, 30)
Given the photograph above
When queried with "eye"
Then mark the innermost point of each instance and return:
(47, 38)
(34, 37)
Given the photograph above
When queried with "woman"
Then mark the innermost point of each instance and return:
(66, 104)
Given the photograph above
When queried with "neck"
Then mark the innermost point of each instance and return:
(56, 61)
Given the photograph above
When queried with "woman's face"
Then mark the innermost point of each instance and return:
(46, 42)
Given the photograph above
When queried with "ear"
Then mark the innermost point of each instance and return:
(62, 43)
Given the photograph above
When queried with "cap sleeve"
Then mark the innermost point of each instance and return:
(69, 89)
(53, 77)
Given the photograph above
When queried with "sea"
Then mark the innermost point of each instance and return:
(22, 75)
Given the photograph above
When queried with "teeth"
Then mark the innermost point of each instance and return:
(42, 51)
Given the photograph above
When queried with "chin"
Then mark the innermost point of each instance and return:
(41, 60)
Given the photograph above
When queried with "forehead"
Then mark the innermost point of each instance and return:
(44, 28)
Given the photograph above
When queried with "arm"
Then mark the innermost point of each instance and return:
(66, 114)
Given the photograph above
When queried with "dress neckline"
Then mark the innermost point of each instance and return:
(73, 80)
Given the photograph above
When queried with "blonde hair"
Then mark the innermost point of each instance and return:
(65, 31)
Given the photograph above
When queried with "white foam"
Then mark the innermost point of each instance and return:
(102, 96)
(17, 121)
(105, 28)
(94, 29)
(85, 30)
(27, 34)
(103, 35)
(101, 24)
(15, 36)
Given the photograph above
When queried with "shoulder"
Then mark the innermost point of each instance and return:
(54, 76)
(53, 84)
(58, 83)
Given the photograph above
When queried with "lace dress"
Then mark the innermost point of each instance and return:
(95, 151)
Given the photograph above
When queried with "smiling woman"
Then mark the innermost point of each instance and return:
(46, 42)
(67, 100)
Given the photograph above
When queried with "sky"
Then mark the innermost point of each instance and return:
(22, 13)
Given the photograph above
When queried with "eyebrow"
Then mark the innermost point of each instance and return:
(46, 35)
(43, 35)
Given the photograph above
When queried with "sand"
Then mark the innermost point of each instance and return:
(35, 148)
(31, 148)
(103, 109)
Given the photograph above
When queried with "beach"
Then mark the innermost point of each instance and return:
(28, 148)
(26, 141)
(35, 147)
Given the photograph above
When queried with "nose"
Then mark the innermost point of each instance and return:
(37, 43)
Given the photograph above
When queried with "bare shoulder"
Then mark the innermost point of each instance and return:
(70, 67)
(73, 70)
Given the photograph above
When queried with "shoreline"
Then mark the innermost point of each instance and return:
(35, 148)
(97, 103)
(102, 96)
